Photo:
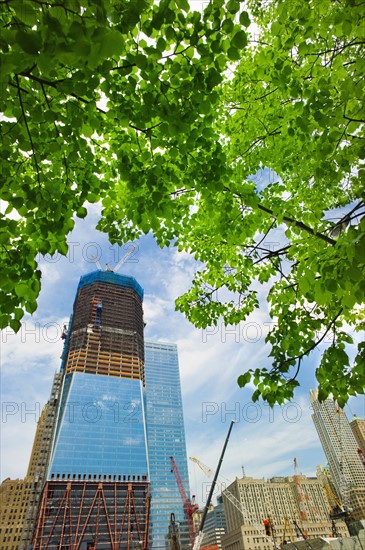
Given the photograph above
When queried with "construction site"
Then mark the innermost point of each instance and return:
(109, 469)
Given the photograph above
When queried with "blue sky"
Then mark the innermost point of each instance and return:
(263, 441)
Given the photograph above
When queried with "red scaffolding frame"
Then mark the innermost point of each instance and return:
(101, 515)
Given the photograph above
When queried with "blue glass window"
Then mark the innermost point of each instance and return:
(101, 428)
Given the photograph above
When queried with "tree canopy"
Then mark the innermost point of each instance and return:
(167, 116)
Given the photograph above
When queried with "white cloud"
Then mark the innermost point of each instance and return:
(154, 309)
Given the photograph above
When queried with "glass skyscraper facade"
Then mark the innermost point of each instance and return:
(97, 493)
(340, 447)
(166, 438)
(110, 484)
(102, 430)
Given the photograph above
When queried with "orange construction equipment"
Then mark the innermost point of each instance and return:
(301, 500)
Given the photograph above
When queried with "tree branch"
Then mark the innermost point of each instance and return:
(272, 254)
(257, 246)
(28, 132)
(301, 225)
(259, 139)
(315, 344)
(54, 83)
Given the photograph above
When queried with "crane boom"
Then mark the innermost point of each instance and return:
(199, 538)
(98, 265)
(203, 467)
(124, 259)
(231, 497)
(336, 508)
(189, 507)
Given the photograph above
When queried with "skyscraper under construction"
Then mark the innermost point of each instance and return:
(97, 493)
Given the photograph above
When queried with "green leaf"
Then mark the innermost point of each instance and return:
(141, 61)
(239, 40)
(233, 6)
(244, 379)
(205, 107)
(22, 290)
(30, 41)
(245, 19)
(233, 54)
(184, 5)
(62, 248)
(161, 44)
(276, 28)
(15, 325)
(227, 26)
(4, 321)
(81, 212)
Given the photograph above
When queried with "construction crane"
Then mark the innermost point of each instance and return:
(208, 471)
(119, 264)
(338, 510)
(286, 526)
(174, 534)
(124, 259)
(231, 497)
(300, 497)
(307, 499)
(189, 507)
(200, 535)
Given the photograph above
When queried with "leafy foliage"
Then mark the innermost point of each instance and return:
(92, 95)
(295, 107)
(133, 104)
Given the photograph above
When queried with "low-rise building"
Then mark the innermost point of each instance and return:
(290, 506)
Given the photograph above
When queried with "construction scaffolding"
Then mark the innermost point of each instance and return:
(106, 335)
(95, 516)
